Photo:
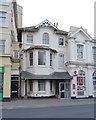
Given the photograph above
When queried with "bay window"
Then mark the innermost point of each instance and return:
(2, 46)
(94, 53)
(41, 58)
(61, 61)
(41, 85)
(31, 58)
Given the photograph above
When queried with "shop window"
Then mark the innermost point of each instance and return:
(2, 18)
(61, 41)
(1, 83)
(61, 61)
(41, 85)
(41, 58)
(2, 46)
(46, 38)
(80, 51)
(31, 58)
(94, 81)
(31, 85)
(30, 39)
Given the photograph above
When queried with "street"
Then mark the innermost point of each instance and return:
(52, 108)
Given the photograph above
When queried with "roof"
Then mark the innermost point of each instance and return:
(53, 76)
(40, 47)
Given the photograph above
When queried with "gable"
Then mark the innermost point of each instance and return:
(81, 30)
(46, 23)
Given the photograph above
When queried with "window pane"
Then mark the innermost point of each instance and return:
(2, 46)
(41, 58)
(16, 54)
(41, 85)
(45, 38)
(80, 51)
(50, 59)
(2, 19)
(94, 53)
(29, 39)
(31, 59)
(61, 41)
(61, 61)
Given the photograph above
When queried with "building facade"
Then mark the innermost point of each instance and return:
(57, 63)
(8, 37)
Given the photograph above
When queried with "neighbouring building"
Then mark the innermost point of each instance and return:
(57, 63)
(9, 47)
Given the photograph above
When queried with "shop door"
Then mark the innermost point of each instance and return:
(1, 86)
(14, 89)
(64, 90)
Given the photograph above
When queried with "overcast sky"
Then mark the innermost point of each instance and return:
(64, 12)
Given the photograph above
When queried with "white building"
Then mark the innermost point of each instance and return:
(57, 63)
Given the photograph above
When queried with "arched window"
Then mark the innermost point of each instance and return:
(81, 78)
(46, 38)
(94, 80)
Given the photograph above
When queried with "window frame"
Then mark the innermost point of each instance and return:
(59, 41)
(45, 39)
(92, 54)
(31, 58)
(51, 59)
(3, 21)
(84, 57)
(60, 61)
(3, 46)
(29, 35)
(14, 54)
(45, 58)
(44, 85)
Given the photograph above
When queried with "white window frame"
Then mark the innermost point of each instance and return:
(51, 60)
(84, 57)
(59, 61)
(42, 91)
(3, 45)
(3, 18)
(63, 41)
(45, 59)
(31, 58)
(47, 39)
(14, 54)
(29, 43)
(92, 53)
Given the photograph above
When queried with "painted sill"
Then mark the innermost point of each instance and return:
(81, 59)
(4, 4)
(42, 66)
(3, 26)
(41, 92)
(30, 67)
(29, 43)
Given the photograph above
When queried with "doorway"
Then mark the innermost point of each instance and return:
(64, 90)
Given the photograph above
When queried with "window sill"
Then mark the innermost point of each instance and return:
(41, 92)
(30, 67)
(4, 4)
(29, 43)
(42, 66)
(3, 26)
(61, 45)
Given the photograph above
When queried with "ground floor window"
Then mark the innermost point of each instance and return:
(1, 83)
(81, 83)
(31, 85)
(50, 85)
(94, 81)
(41, 85)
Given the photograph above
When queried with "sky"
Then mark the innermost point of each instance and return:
(64, 12)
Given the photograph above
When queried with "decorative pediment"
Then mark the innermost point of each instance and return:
(81, 30)
(46, 23)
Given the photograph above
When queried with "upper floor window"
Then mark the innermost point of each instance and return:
(16, 55)
(50, 59)
(29, 39)
(41, 58)
(80, 51)
(94, 81)
(46, 38)
(94, 53)
(61, 41)
(2, 1)
(2, 18)
(61, 61)
(2, 46)
(31, 58)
